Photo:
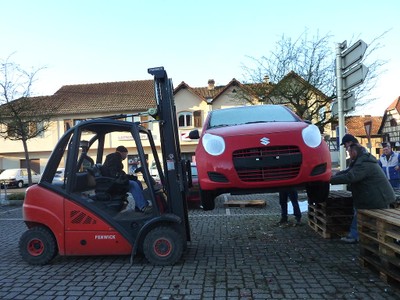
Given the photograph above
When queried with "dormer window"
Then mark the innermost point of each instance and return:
(190, 119)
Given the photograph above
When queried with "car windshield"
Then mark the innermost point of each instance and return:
(250, 114)
(9, 172)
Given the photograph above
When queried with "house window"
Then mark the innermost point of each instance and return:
(393, 123)
(185, 119)
(143, 120)
(30, 130)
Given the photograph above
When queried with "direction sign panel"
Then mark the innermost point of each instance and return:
(353, 54)
(354, 77)
(349, 102)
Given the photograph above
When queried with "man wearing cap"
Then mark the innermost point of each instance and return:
(113, 167)
(370, 188)
(349, 140)
(389, 162)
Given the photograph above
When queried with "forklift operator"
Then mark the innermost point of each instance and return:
(113, 167)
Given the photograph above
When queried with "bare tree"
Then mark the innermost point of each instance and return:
(301, 74)
(21, 117)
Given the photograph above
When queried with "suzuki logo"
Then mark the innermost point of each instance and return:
(264, 141)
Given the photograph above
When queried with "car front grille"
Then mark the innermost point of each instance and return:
(267, 163)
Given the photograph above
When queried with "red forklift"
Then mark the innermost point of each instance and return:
(82, 214)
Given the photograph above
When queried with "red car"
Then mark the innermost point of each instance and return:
(263, 148)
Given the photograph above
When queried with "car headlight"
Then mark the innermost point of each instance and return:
(312, 136)
(213, 144)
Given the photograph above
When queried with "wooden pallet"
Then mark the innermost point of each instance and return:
(379, 231)
(332, 219)
(245, 203)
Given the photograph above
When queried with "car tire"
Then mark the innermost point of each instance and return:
(20, 184)
(163, 246)
(38, 246)
(317, 192)
(207, 199)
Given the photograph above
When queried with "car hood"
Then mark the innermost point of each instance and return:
(258, 128)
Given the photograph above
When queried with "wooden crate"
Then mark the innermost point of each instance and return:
(379, 231)
(332, 219)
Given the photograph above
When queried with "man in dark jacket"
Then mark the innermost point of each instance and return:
(369, 185)
(113, 167)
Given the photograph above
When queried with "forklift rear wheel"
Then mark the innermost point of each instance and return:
(163, 246)
(38, 246)
(317, 192)
(207, 199)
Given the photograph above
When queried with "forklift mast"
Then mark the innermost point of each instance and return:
(175, 181)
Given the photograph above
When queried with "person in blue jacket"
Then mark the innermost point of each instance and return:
(389, 162)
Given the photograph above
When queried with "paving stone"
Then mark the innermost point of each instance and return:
(235, 253)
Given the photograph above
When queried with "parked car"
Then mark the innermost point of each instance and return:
(17, 177)
(194, 193)
(59, 176)
(261, 148)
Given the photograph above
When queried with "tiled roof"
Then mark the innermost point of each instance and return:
(105, 97)
(294, 75)
(355, 125)
(202, 92)
(394, 105)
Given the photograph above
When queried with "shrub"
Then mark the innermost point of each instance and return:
(16, 196)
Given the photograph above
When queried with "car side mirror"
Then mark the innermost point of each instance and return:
(194, 134)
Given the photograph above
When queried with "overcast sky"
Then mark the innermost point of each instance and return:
(105, 41)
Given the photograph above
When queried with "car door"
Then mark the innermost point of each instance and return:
(35, 177)
(23, 175)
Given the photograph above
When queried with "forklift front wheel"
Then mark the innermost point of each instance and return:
(38, 246)
(163, 246)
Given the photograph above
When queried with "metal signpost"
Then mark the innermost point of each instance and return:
(350, 72)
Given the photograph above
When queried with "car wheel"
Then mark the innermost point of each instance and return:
(207, 199)
(163, 246)
(38, 246)
(317, 192)
(20, 184)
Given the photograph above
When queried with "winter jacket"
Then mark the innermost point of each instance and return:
(389, 165)
(113, 166)
(370, 187)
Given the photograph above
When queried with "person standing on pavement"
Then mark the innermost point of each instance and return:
(389, 162)
(369, 185)
(283, 201)
(113, 167)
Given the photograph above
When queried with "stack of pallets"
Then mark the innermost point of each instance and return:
(379, 231)
(332, 219)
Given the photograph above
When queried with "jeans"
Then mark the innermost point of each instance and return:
(353, 226)
(137, 193)
(283, 198)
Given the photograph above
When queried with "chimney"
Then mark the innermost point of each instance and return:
(211, 83)
(266, 79)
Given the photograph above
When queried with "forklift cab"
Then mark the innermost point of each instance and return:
(83, 215)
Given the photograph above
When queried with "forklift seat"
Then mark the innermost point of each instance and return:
(112, 192)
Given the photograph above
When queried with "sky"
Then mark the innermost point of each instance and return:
(94, 41)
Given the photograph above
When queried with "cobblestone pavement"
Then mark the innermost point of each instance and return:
(235, 253)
